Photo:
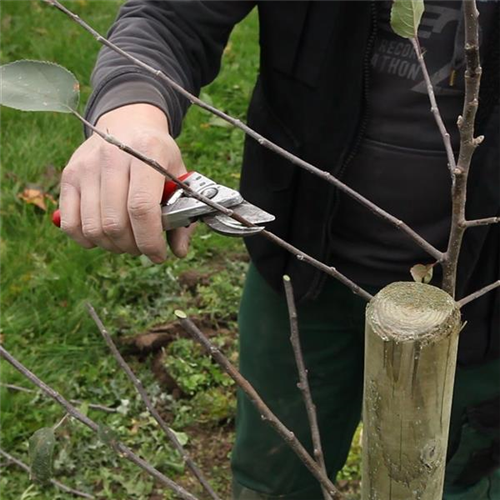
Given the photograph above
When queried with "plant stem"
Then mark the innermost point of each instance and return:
(435, 108)
(303, 384)
(118, 447)
(468, 144)
(399, 224)
(56, 483)
(149, 405)
(265, 412)
(482, 222)
(479, 293)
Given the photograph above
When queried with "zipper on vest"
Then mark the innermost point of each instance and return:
(320, 277)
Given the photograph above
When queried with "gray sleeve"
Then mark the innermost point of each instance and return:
(183, 38)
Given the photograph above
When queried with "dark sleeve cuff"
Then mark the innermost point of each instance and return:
(133, 88)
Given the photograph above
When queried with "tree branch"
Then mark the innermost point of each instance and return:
(481, 222)
(93, 406)
(265, 412)
(425, 245)
(479, 293)
(435, 108)
(152, 410)
(303, 384)
(468, 145)
(117, 446)
(216, 206)
(56, 483)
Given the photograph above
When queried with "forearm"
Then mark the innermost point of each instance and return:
(184, 39)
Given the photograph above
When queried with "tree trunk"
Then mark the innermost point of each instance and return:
(410, 358)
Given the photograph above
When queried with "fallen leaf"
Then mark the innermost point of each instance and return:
(34, 195)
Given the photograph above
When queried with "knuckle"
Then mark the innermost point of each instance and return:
(70, 175)
(113, 227)
(70, 228)
(147, 142)
(91, 230)
(142, 206)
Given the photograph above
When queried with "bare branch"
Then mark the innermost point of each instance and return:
(430, 249)
(265, 412)
(435, 108)
(482, 222)
(56, 483)
(117, 446)
(479, 293)
(468, 144)
(152, 410)
(216, 206)
(93, 406)
(303, 384)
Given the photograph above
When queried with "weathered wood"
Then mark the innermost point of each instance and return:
(410, 359)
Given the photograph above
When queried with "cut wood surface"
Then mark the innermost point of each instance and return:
(410, 355)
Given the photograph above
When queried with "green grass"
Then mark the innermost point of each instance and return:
(47, 279)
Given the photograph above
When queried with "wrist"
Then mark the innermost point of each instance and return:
(142, 114)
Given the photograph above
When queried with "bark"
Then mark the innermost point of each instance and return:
(410, 358)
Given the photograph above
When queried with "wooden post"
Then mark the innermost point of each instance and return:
(410, 358)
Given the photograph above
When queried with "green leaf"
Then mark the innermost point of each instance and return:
(106, 435)
(38, 86)
(406, 16)
(421, 273)
(41, 452)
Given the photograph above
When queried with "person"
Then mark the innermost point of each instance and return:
(338, 88)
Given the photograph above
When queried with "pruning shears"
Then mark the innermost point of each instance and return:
(179, 209)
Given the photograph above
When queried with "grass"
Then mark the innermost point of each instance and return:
(46, 280)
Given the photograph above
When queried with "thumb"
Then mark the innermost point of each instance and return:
(179, 239)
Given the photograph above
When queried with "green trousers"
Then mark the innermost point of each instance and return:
(331, 329)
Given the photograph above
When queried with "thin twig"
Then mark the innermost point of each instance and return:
(482, 222)
(303, 384)
(430, 249)
(479, 293)
(117, 446)
(468, 144)
(149, 405)
(435, 108)
(92, 406)
(216, 206)
(56, 483)
(60, 422)
(265, 412)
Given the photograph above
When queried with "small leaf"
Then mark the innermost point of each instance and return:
(182, 437)
(34, 195)
(41, 451)
(421, 273)
(38, 86)
(406, 16)
(106, 435)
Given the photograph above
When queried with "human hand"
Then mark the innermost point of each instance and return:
(110, 199)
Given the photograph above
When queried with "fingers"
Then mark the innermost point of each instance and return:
(70, 214)
(144, 210)
(115, 179)
(90, 211)
(179, 239)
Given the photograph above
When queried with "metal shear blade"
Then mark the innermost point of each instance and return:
(223, 224)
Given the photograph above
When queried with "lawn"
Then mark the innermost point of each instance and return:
(47, 279)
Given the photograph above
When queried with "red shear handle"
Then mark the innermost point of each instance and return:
(169, 189)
